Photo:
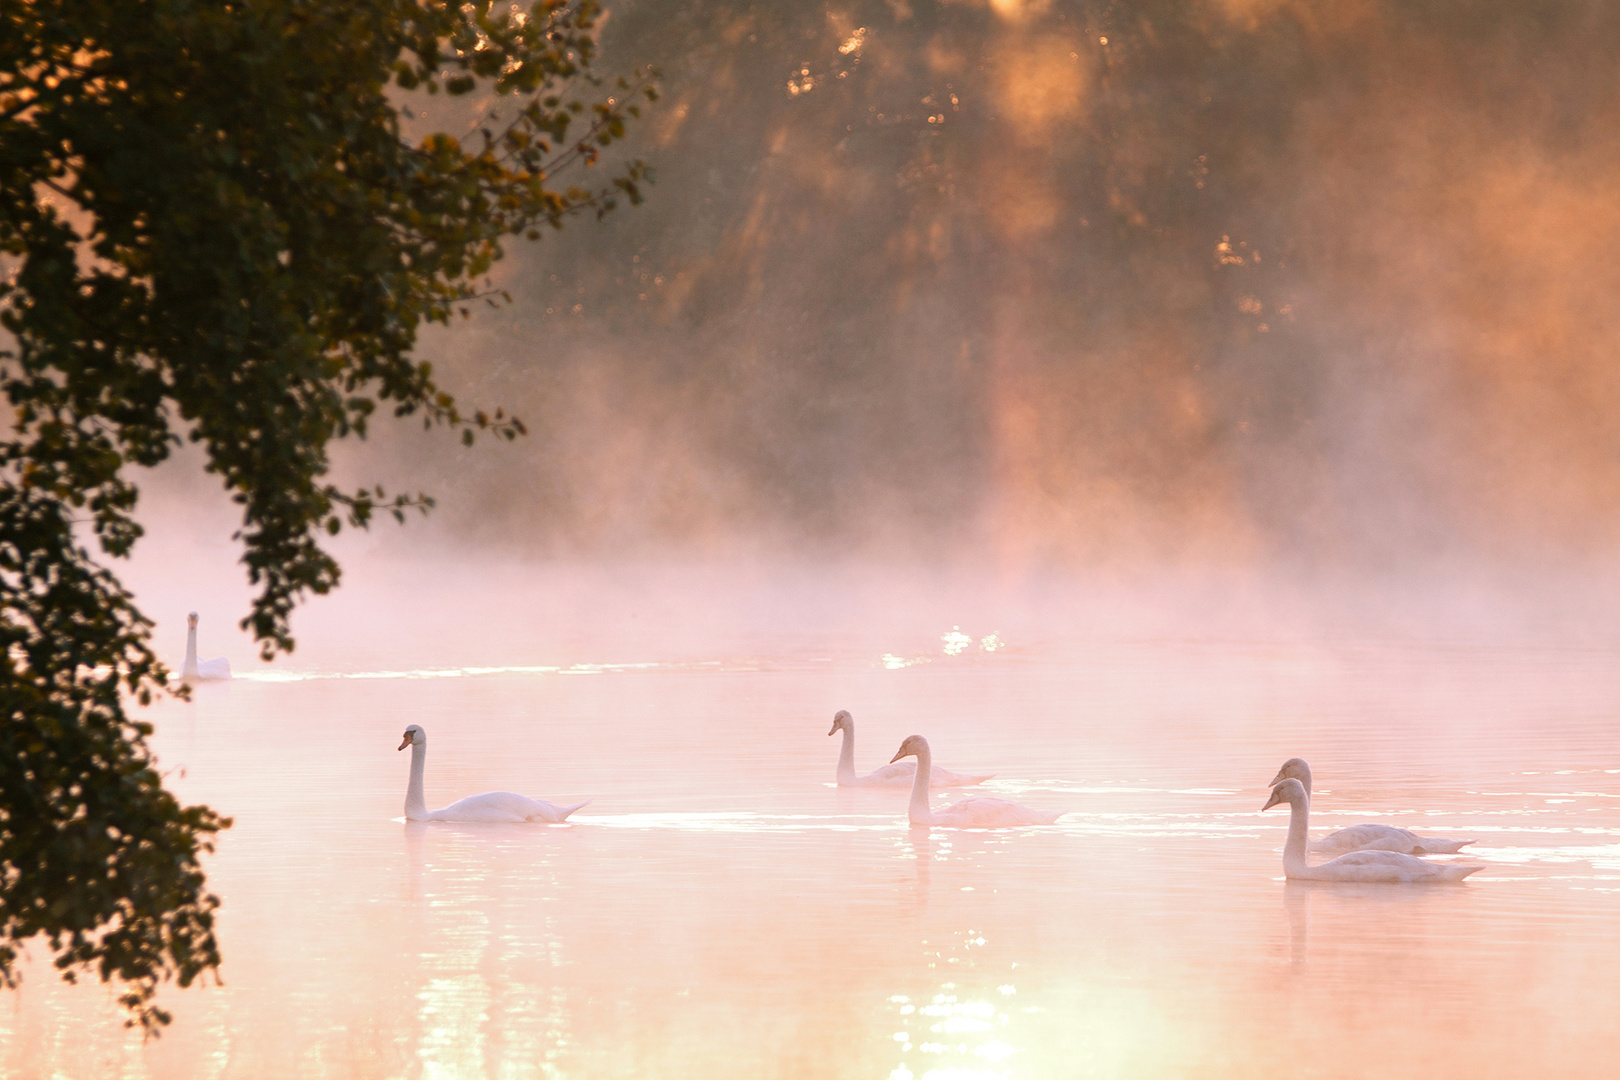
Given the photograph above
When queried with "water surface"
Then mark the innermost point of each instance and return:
(721, 910)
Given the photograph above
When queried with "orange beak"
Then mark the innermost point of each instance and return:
(407, 741)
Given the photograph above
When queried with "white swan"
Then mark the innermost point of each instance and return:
(1367, 837)
(1391, 866)
(490, 806)
(978, 812)
(893, 775)
(193, 670)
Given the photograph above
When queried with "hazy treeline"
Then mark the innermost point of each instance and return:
(1196, 281)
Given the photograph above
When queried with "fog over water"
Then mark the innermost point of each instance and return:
(1127, 397)
(720, 909)
(1249, 282)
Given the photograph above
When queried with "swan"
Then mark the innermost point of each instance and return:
(193, 670)
(1367, 837)
(978, 812)
(893, 775)
(1358, 865)
(490, 806)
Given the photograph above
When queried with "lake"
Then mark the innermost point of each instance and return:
(721, 910)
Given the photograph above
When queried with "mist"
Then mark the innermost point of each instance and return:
(1247, 284)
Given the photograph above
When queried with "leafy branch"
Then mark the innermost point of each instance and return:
(245, 255)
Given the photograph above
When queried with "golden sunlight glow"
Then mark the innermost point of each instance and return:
(455, 1001)
(1248, 13)
(1042, 84)
(944, 1027)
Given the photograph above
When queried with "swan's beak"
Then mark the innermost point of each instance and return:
(1274, 800)
(898, 754)
(407, 741)
(833, 730)
(1279, 778)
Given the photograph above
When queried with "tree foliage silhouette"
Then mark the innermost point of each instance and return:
(213, 228)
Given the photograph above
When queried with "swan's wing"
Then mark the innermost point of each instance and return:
(943, 778)
(217, 668)
(984, 812)
(1367, 838)
(490, 806)
(1376, 866)
(1377, 858)
(1387, 838)
(1390, 866)
(899, 774)
(902, 773)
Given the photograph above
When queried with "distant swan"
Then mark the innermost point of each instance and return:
(192, 670)
(1367, 837)
(490, 806)
(978, 812)
(1384, 866)
(893, 775)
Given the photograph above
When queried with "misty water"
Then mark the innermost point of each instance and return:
(1124, 289)
(720, 909)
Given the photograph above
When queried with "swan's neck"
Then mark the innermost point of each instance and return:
(1305, 780)
(846, 756)
(188, 670)
(1299, 814)
(919, 811)
(415, 804)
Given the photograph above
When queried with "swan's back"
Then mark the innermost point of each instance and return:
(503, 806)
(898, 775)
(984, 812)
(1387, 838)
(943, 778)
(901, 773)
(217, 668)
(1389, 866)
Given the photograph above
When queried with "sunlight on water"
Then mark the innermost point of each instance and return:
(721, 909)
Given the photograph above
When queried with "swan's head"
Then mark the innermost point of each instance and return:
(914, 745)
(1289, 791)
(191, 620)
(841, 721)
(413, 735)
(1294, 769)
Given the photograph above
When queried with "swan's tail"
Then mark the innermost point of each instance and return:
(956, 779)
(564, 811)
(1458, 871)
(1428, 845)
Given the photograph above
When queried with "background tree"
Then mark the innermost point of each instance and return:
(213, 228)
(946, 280)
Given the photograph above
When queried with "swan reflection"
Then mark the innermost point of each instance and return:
(1363, 917)
(919, 847)
(1296, 902)
(485, 940)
